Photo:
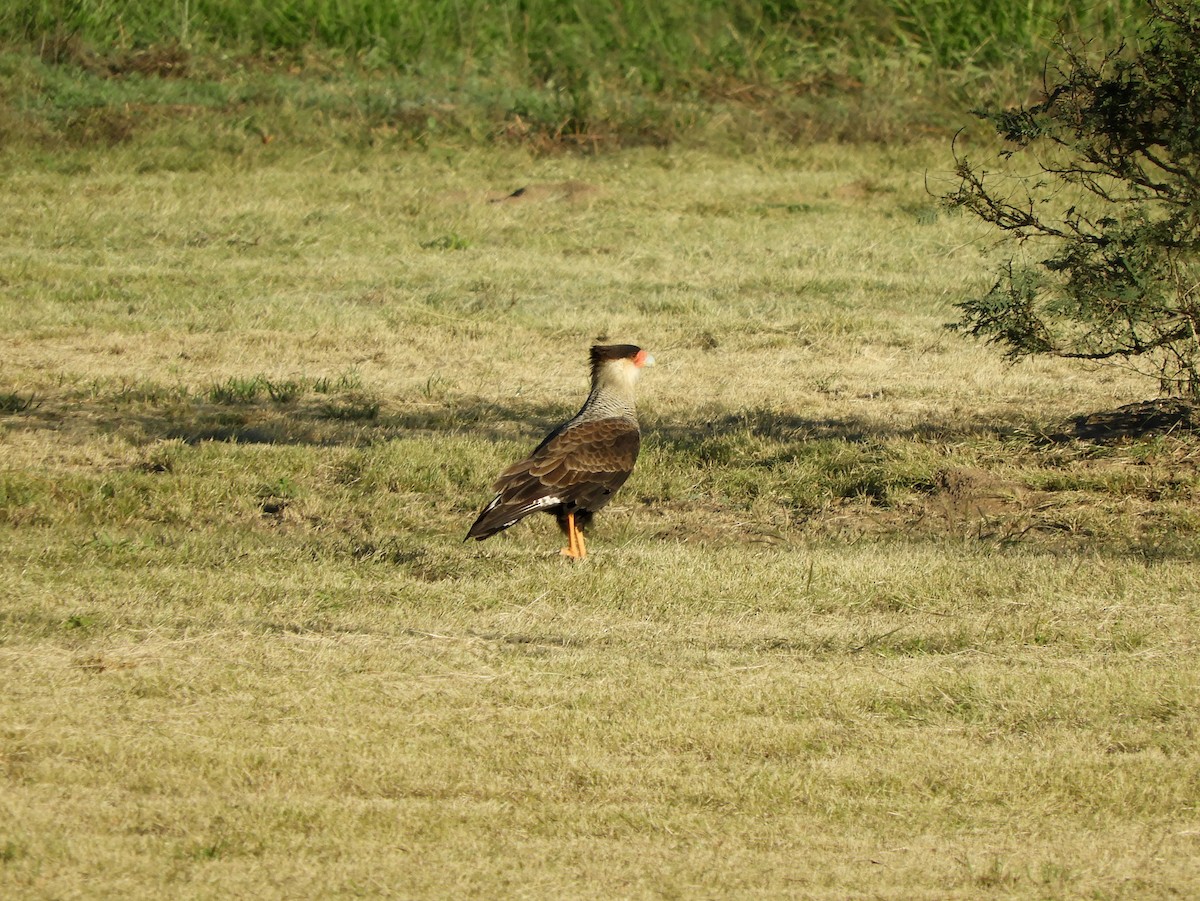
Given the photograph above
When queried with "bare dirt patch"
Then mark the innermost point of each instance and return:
(563, 191)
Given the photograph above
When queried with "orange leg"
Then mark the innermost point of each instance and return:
(569, 550)
(574, 549)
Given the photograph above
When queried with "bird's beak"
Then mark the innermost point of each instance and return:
(649, 361)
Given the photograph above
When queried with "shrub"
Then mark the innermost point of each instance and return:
(1114, 205)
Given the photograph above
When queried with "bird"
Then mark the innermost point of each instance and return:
(579, 466)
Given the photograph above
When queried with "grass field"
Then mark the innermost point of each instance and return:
(534, 72)
(854, 629)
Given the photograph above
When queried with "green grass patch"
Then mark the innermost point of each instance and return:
(551, 77)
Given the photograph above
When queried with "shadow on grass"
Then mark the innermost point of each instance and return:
(323, 424)
(792, 427)
(358, 423)
(357, 419)
(844, 497)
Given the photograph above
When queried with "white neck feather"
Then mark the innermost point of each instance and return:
(612, 392)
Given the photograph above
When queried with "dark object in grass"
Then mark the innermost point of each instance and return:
(12, 402)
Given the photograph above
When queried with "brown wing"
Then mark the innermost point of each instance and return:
(578, 468)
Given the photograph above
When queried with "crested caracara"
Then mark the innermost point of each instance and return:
(579, 466)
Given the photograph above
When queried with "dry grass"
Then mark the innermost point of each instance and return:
(852, 630)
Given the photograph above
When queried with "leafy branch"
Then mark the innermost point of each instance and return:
(1114, 207)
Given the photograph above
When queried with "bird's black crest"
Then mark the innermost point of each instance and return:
(605, 353)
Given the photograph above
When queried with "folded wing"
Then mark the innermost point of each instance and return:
(576, 468)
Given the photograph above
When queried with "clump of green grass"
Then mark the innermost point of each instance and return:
(284, 391)
(350, 380)
(236, 390)
(242, 390)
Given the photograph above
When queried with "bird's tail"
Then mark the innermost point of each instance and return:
(503, 511)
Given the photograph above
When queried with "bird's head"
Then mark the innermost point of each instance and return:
(620, 363)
